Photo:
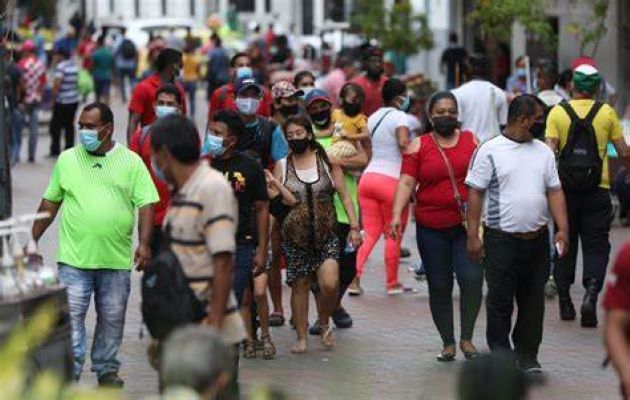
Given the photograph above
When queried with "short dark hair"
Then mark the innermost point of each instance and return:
(452, 37)
(178, 135)
(524, 105)
(478, 65)
(233, 120)
(565, 77)
(236, 57)
(441, 95)
(352, 87)
(105, 113)
(300, 75)
(166, 58)
(391, 89)
(549, 71)
(216, 39)
(169, 88)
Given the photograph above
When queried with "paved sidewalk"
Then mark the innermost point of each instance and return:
(388, 354)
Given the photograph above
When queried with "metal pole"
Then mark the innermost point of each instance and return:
(5, 167)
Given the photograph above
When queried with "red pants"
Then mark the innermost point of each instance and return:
(376, 199)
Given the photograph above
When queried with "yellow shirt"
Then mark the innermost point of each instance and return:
(606, 124)
(351, 125)
(191, 67)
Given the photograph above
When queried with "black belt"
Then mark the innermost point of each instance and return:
(520, 235)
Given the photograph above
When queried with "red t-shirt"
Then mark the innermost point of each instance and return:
(436, 206)
(143, 98)
(162, 188)
(223, 98)
(373, 93)
(617, 295)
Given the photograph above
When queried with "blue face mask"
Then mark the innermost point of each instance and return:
(404, 106)
(157, 171)
(89, 139)
(521, 72)
(213, 145)
(244, 72)
(163, 111)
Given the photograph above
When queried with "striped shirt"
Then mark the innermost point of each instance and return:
(200, 223)
(67, 72)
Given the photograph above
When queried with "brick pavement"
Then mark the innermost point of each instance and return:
(390, 352)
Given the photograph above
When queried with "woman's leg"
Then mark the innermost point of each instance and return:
(275, 275)
(371, 217)
(299, 310)
(470, 281)
(262, 306)
(392, 246)
(328, 280)
(435, 249)
(246, 312)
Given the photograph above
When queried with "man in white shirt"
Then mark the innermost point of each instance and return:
(518, 175)
(482, 105)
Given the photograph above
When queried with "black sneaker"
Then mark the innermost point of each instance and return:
(567, 310)
(405, 252)
(589, 311)
(111, 379)
(315, 329)
(530, 366)
(341, 318)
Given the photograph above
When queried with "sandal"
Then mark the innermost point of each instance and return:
(471, 353)
(269, 350)
(327, 336)
(276, 319)
(447, 354)
(249, 351)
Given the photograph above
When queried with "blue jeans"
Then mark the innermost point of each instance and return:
(32, 111)
(443, 252)
(190, 87)
(111, 291)
(243, 264)
(17, 123)
(126, 73)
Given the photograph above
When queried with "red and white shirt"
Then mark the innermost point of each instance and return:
(34, 77)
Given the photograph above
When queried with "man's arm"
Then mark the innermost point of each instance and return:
(553, 144)
(615, 335)
(262, 226)
(55, 89)
(145, 230)
(473, 219)
(134, 121)
(558, 207)
(40, 226)
(622, 148)
(221, 287)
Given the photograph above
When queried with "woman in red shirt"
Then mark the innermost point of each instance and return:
(435, 166)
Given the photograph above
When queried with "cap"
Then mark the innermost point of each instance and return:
(316, 94)
(28, 45)
(244, 83)
(284, 89)
(583, 61)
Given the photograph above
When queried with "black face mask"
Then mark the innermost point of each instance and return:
(445, 126)
(321, 118)
(374, 74)
(351, 109)
(289, 111)
(299, 146)
(538, 130)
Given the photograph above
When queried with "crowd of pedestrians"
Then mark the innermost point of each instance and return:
(298, 179)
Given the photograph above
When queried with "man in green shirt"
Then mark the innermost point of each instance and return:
(98, 185)
(102, 66)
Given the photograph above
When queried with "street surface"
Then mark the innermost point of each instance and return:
(388, 354)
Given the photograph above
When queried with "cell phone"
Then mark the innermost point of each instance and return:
(559, 248)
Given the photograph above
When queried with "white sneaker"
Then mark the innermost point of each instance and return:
(396, 290)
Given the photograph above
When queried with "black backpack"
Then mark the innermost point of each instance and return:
(128, 49)
(580, 165)
(168, 302)
(260, 148)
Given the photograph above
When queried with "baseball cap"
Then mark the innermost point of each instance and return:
(316, 94)
(583, 61)
(28, 45)
(245, 83)
(284, 89)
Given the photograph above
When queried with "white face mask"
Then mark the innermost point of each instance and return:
(162, 111)
(247, 106)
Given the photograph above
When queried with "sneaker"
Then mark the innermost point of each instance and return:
(396, 290)
(111, 379)
(567, 310)
(315, 329)
(530, 366)
(419, 272)
(405, 252)
(551, 291)
(341, 318)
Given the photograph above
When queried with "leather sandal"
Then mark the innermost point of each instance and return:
(446, 355)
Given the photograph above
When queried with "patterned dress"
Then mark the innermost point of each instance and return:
(308, 231)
